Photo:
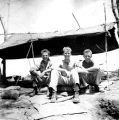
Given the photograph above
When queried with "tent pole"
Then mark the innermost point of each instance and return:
(76, 20)
(3, 26)
(4, 69)
(106, 44)
(4, 60)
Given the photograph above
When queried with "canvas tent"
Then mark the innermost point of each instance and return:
(17, 45)
(51, 25)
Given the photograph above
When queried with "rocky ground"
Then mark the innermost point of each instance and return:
(96, 106)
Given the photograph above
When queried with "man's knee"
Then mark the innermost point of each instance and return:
(33, 72)
(73, 71)
(55, 72)
(74, 74)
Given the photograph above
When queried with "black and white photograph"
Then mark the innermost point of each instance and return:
(59, 60)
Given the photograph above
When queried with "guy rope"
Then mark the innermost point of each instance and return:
(32, 50)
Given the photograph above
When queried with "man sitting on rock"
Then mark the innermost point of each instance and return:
(41, 73)
(89, 73)
(64, 74)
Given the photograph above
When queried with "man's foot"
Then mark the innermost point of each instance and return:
(52, 94)
(33, 93)
(49, 93)
(76, 93)
(76, 98)
(53, 100)
(94, 88)
(84, 90)
(35, 90)
(97, 88)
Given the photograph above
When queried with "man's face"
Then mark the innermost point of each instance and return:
(45, 56)
(87, 56)
(67, 54)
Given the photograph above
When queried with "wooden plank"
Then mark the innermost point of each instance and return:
(58, 109)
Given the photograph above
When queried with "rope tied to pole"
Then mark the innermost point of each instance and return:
(32, 51)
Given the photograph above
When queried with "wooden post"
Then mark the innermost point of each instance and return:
(118, 73)
(115, 6)
(0, 75)
(3, 26)
(106, 44)
(4, 69)
(4, 60)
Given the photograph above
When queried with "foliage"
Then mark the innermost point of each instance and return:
(109, 108)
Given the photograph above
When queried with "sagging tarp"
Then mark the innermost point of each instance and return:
(17, 45)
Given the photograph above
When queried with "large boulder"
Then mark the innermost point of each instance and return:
(11, 93)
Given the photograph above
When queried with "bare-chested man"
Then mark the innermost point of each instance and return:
(65, 74)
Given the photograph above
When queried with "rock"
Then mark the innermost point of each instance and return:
(13, 88)
(10, 94)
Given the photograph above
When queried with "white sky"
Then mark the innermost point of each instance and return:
(52, 15)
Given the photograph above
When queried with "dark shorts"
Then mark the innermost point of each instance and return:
(91, 78)
(40, 81)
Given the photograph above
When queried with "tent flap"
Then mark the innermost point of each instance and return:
(17, 45)
(22, 38)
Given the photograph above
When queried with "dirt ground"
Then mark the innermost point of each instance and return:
(95, 106)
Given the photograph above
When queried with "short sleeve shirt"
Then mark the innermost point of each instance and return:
(44, 65)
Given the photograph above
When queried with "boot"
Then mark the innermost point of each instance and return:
(49, 92)
(91, 89)
(35, 87)
(97, 88)
(76, 94)
(53, 95)
(35, 90)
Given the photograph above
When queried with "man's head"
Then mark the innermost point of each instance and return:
(45, 54)
(87, 54)
(67, 52)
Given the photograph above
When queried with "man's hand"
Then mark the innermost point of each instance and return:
(32, 69)
(45, 71)
(85, 71)
(82, 70)
(92, 69)
(65, 73)
(42, 74)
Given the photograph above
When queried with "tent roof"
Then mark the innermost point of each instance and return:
(22, 38)
(18, 45)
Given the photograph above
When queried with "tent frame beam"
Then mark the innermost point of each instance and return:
(5, 37)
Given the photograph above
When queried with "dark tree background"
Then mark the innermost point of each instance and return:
(115, 9)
